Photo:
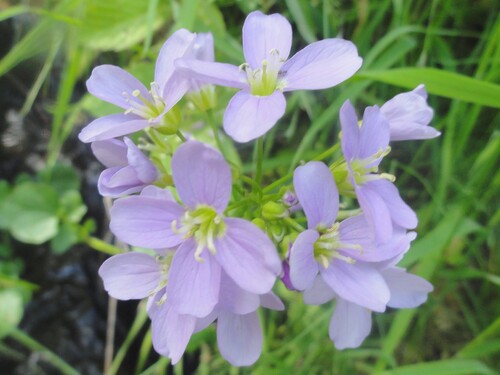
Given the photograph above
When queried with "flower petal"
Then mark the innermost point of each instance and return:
(118, 181)
(317, 193)
(350, 131)
(213, 72)
(247, 116)
(145, 221)
(264, 34)
(248, 256)
(303, 266)
(152, 191)
(407, 290)
(359, 283)
(400, 212)
(174, 47)
(319, 293)
(193, 287)
(201, 176)
(111, 152)
(321, 65)
(271, 301)
(112, 126)
(143, 167)
(234, 299)
(376, 212)
(130, 275)
(374, 134)
(239, 338)
(114, 85)
(350, 325)
(409, 115)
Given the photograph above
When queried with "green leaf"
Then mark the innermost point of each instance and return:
(73, 207)
(440, 82)
(61, 177)
(32, 212)
(445, 367)
(11, 310)
(65, 238)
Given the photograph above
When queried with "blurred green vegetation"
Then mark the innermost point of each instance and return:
(453, 182)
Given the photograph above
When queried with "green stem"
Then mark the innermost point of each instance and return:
(293, 224)
(259, 156)
(181, 136)
(328, 152)
(102, 246)
(211, 121)
(24, 339)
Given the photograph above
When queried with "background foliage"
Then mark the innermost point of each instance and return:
(453, 182)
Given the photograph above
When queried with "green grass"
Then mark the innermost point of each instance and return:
(453, 181)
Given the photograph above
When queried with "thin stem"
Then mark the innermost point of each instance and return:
(293, 224)
(327, 152)
(211, 121)
(259, 156)
(102, 246)
(29, 342)
(181, 136)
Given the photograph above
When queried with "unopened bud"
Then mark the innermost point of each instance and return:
(274, 210)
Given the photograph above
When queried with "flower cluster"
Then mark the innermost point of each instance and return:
(217, 241)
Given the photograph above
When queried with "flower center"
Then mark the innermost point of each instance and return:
(265, 80)
(327, 246)
(149, 107)
(205, 225)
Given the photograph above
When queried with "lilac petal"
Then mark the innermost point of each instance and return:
(350, 325)
(303, 266)
(400, 212)
(117, 181)
(213, 72)
(234, 299)
(203, 48)
(409, 115)
(319, 293)
(171, 331)
(321, 65)
(130, 275)
(152, 191)
(175, 47)
(359, 283)
(247, 116)
(202, 323)
(407, 290)
(145, 222)
(262, 35)
(239, 338)
(114, 85)
(271, 301)
(111, 152)
(248, 256)
(374, 134)
(201, 176)
(376, 212)
(112, 126)
(193, 286)
(317, 193)
(173, 91)
(350, 131)
(144, 168)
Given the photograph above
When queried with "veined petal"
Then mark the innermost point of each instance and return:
(376, 212)
(239, 338)
(114, 85)
(303, 266)
(155, 192)
(203, 48)
(201, 176)
(359, 283)
(247, 116)
(319, 293)
(111, 152)
(130, 275)
(234, 299)
(193, 286)
(262, 35)
(179, 43)
(143, 167)
(400, 212)
(321, 65)
(145, 222)
(350, 325)
(112, 126)
(407, 290)
(171, 331)
(248, 256)
(374, 134)
(271, 301)
(118, 181)
(350, 131)
(213, 72)
(317, 193)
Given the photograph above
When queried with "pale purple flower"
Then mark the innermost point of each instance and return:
(208, 242)
(267, 73)
(143, 107)
(364, 146)
(343, 254)
(409, 115)
(128, 169)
